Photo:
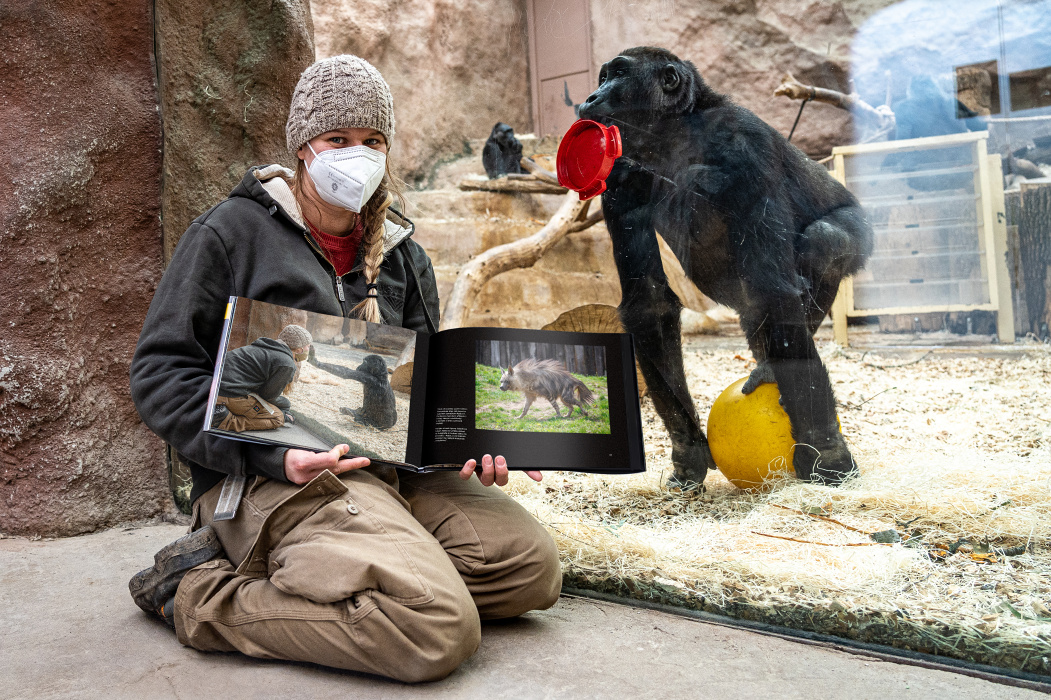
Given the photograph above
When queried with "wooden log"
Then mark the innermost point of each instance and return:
(401, 374)
(594, 318)
(512, 186)
(1034, 234)
(881, 117)
(683, 286)
(540, 172)
(521, 253)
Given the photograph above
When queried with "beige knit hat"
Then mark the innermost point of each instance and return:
(295, 337)
(337, 93)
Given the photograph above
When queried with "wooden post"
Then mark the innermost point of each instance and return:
(839, 316)
(1034, 234)
(840, 306)
(1005, 318)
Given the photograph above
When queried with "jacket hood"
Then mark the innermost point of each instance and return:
(268, 185)
(272, 344)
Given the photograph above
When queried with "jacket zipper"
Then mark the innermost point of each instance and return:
(339, 278)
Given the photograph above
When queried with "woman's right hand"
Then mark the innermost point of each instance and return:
(303, 465)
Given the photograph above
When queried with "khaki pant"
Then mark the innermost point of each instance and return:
(362, 572)
(249, 413)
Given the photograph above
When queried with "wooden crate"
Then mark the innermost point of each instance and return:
(937, 209)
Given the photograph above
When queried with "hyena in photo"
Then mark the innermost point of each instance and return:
(549, 379)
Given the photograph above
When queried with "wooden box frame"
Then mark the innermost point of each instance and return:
(994, 233)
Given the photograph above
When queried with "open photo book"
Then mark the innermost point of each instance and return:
(542, 399)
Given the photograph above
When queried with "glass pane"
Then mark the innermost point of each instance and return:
(926, 214)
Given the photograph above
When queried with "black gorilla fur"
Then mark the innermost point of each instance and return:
(757, 226)
(377, 408)
(502, 153)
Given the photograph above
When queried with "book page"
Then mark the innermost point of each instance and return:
(311, 381)
(542, 399)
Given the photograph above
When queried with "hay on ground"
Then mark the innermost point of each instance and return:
(955, 457)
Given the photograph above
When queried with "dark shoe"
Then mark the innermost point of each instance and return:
(167, 613)
(219, 414)
(154, 588)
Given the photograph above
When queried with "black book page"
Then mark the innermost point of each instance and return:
(468, 414)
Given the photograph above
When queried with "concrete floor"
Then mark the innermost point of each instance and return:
(68, 629)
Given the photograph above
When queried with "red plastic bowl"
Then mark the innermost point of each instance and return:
(586, 156)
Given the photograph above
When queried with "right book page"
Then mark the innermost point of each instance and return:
(542, 399)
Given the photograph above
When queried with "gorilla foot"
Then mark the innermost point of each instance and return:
(691, 463)
(762, 374)
(355, 414)
(676, 484)
(831, 466)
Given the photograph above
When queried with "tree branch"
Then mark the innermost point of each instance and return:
(523, 183)
(881, 117)
(521, 253)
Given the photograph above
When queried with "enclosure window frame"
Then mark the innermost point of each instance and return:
(991, 214)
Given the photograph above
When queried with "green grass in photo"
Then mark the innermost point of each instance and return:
(498, 410)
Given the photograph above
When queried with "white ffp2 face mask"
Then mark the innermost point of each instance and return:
(347, 177)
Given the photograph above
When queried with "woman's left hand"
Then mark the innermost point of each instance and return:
(492, 471)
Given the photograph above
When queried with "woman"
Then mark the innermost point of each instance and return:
(326, 560)
(254, 379)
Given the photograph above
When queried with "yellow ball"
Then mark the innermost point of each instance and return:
(750, 435)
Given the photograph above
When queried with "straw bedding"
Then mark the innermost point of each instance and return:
(955, 457)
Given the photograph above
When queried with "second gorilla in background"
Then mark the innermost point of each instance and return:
(757, 226)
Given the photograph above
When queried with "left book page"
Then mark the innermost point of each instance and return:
(348, 381)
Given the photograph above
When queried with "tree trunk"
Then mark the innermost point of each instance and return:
(1034, 234)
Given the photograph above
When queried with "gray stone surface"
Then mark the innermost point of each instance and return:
(455, 69)
(70, 630)
(227, 70)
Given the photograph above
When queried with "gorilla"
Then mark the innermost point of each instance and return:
(757, 226)
(377, 408)
(502, 153)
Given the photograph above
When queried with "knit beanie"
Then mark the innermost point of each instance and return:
(295, 337)
(337, 93)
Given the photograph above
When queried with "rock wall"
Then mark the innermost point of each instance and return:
(743, 47)
(80, 255)
(81, 240)
(455, 68)
(227, 72)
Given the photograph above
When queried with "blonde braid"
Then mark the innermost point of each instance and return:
(375, 214)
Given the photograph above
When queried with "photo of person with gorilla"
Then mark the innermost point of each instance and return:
(756, 225)
(255, 380)
(316, 383)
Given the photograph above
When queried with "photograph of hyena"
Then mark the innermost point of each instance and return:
(541, 387)
(548, 379)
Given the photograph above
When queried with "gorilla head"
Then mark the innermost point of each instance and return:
(374, 365)
(643, 86)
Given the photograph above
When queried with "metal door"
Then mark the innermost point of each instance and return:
(559, 61)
